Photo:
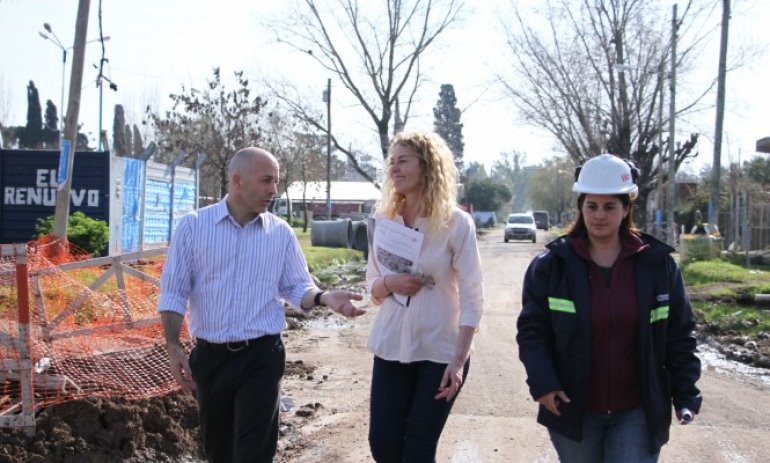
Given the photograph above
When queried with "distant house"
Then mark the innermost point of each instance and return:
(346, 197)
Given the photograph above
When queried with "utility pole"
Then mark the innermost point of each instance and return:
(71, 125)
(328, 98)
(718, 126)
(661, 172)
(671, 137)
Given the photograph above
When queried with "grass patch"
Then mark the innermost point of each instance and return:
(716, 271)
(320, 257)
(723, 317)
(719, 292)
(722, 295)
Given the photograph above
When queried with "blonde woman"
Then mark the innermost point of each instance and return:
(421, 347)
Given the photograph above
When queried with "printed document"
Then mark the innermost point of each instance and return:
(396, 248)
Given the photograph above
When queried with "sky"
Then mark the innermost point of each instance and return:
(156, 47)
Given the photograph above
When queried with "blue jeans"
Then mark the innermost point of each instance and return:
(619, 437)
(406, 421)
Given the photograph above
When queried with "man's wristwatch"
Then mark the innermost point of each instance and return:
(317, 298)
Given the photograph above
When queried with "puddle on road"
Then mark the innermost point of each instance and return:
(465, 452)
(331, 323)
(713, 360)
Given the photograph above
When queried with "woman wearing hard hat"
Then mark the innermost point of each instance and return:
(605, 330)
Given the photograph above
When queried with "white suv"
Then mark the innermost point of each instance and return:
(520, 227)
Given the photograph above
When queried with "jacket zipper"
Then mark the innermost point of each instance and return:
(609, 347)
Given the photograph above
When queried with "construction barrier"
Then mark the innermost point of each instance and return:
(16, 410)
(90, 329)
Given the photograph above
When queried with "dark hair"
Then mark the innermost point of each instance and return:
(626, 226)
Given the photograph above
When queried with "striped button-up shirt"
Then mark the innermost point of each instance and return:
(232, 276)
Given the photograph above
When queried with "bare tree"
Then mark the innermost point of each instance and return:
(216, 121)
(298, 150)
(550, 188)
(8, 134)
(592, 75)
(300, 107)
(510, 170)
(5, 102)
(374, 50)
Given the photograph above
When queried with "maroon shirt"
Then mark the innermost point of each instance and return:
(613, 381)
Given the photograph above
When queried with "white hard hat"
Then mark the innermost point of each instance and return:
(607, 174)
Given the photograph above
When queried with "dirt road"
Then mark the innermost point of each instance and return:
(494, 417)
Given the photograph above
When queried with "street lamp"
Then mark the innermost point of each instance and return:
(54, 39)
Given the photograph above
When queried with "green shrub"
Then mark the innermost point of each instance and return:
(89, 234)
(295, 222)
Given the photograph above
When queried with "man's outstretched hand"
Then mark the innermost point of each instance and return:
(339, 301)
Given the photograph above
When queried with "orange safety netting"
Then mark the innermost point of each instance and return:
(94, 328)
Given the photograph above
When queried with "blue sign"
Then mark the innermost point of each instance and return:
(64, 157)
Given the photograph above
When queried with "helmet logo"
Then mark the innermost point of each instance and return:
(625, 177)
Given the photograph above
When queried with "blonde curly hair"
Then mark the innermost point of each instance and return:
(439, 191)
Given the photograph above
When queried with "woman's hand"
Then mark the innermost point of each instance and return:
(404, 283)
(684, 416)
(552, 400)
(451, 381)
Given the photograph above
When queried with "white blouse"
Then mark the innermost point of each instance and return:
(428, 328)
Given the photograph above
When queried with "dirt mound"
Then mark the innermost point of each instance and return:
(159, 430)
(162, 429)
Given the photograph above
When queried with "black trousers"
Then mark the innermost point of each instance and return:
(406, 420)
(238, 394)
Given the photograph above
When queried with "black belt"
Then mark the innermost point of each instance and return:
(235, 346)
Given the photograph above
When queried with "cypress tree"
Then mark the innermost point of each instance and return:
(138, 142)
(51, 127)
(447, 123)
(51, 116)
(32, 137)
(118, 135)
(128, 139)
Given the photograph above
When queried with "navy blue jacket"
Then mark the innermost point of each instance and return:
(554, 336)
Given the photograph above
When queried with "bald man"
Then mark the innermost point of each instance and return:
(230, 263)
